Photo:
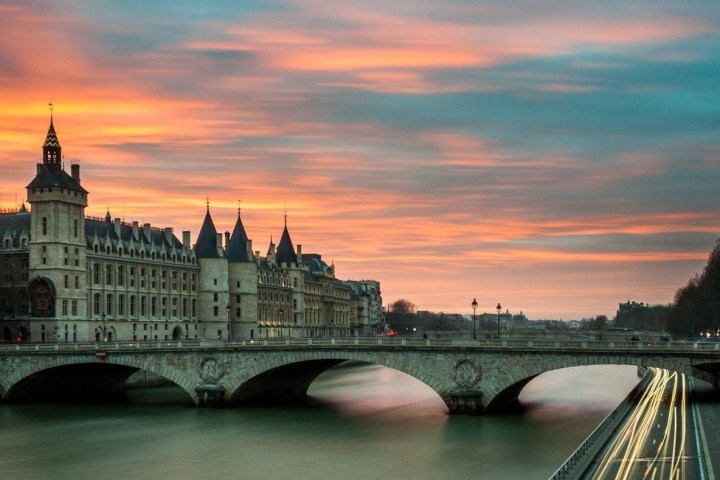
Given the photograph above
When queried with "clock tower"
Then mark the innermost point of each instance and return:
(57, 273)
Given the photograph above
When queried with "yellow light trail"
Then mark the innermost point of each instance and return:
(651, 444)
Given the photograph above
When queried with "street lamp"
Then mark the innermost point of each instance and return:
(498, 308)
(228, 321)
(474, 307)
(280, 319)
(104, 332)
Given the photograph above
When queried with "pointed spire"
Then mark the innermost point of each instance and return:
(237, 250)
(285, 249)
(52, 151)
(206, 245)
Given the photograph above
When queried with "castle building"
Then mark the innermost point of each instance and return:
(67, 277)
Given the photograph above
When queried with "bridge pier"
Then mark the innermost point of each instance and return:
(210, 396)
(466, 402)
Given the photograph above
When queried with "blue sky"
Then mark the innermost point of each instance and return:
(557, 157)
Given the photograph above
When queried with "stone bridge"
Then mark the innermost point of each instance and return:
(471, 376)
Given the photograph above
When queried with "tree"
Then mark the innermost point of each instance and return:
(401, 315)
(696, 309)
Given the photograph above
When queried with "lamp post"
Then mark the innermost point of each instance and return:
(498, 308)
(104, 331)
(474, 307)
(228, 321)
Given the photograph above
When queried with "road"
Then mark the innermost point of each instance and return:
(661, 439)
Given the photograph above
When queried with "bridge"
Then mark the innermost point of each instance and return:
(471, 376)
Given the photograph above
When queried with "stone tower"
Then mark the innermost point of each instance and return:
(242, 270)
(57, 243)
(213, 299)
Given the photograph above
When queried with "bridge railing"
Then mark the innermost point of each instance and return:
(369, 342)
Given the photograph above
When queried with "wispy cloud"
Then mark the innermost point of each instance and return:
(521, 152)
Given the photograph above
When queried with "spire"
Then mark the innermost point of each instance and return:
(52, 151)
(285, 249)
(206, 245)
(237, 250)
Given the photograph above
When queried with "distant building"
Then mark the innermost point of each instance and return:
(66, 277)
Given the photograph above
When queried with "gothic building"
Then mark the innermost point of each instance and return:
(67, 277)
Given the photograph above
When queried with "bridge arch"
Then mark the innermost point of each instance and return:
(81, 377)
(503, 393)
(287, 380)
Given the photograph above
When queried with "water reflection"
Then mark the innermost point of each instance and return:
(367, 422)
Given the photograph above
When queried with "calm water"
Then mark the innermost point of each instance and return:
(369, 423)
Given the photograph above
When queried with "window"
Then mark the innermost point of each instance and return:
(164, 307)
(73, 306)
(132, 277)
(66, 280)
(109, 275)
(153, 306)
(96, 274)
(109, 304)
(44, 225)
(96, 304)
(215, 310)
(77, 281)
(143, 305)
(132, 305)
(64, 308)
(174, 307)
(121, 305)
(215, 297)
(75, 227)
(121, 276)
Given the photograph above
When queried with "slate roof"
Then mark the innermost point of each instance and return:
(237, 246)
(285, 250)
(52, 175)
(106, 231)
(206, 245)
(15, 224)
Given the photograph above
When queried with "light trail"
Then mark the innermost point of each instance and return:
(652, 442)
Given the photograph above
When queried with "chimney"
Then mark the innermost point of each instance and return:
(227, 239)
(169, 235)
(135, 231)
(146, 231)
(248, 248)
(299, 253)
(75, 171)
(186, 239)
(117, 227)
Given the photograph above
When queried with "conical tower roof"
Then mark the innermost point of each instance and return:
(206, 245)
(237, 246)
(285, 249)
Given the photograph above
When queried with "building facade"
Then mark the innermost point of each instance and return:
(67, 277)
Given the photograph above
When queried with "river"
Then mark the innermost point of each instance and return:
(367, 422)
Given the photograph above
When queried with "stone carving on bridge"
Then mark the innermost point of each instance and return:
(211, 371)
(467, 374)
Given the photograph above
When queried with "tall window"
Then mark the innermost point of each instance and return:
(109, 304)
(44, 225)
(132, 305)
(96, 304)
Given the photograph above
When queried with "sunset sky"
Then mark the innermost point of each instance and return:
(558, 157)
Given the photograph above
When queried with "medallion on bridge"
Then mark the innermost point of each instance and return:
(467, 374)
(211, 371)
